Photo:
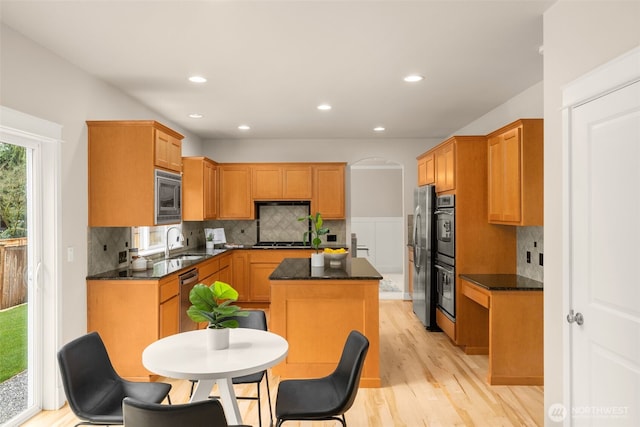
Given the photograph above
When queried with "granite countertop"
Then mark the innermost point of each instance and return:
(160, 268)
(503, 282)
(300, 269)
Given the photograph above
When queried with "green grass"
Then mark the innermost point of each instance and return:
(13, 341)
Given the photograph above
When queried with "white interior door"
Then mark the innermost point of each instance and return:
(604, 245)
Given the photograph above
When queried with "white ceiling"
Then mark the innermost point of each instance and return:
(270, 63)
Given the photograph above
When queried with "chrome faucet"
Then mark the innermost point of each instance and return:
(167, 247)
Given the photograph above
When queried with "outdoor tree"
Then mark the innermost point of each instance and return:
(13, 197)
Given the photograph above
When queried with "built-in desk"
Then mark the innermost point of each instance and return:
(314, 309)
(506, 311)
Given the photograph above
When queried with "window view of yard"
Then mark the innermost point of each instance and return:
(13, 283)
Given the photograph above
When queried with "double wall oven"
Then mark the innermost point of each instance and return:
(445, 253)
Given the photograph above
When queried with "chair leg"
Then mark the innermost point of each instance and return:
(169, 399)
(259, 405)
(269, 398)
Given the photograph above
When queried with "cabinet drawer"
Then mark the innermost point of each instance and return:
(168, 290)
(207, 268)
(475, 294)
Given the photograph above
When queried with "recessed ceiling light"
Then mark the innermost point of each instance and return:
(413, 78)
(379, 129)
(197, 79)
(244, 127)
(324, 107)
(196, 115)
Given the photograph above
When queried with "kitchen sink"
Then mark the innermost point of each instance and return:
(187, 257)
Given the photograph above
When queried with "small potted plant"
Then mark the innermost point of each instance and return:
(209, 242)
(313, 236)
(213, 304)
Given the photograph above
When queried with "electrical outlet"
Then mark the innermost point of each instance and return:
(540, 259)
(332, 238)
(528, 257)
(122, 257)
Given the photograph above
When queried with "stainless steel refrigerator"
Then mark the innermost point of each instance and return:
(424, 292)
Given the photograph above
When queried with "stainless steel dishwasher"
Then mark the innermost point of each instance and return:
(187, 281)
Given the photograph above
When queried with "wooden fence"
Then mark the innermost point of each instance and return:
(13, 272)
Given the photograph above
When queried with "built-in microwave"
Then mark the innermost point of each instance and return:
(168, 203)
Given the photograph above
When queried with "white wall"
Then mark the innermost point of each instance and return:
(578, 37)
(39, 83)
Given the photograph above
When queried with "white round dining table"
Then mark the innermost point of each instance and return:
(186, 356)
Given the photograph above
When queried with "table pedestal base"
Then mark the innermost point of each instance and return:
(227, 397)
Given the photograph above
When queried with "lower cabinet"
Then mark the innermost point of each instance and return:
(261, 263)
(131, 314)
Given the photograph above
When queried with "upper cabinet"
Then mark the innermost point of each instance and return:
(515, 173)
(426, 169)
(199, 189)
(234, 191)
(274, 181)
(328, 190)
(168, 151)
(445, 158)
(122, 157)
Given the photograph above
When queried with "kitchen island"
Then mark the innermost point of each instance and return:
(314, 309)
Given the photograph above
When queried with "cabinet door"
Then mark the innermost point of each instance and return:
(511, 206)
(235, 192)
(239, 265)
(505, 178)
(260, 288)
(426, 170)
(210, 194)
(496, 177)
(328, 197)
(266, 182)
(170, 317)
(445, 168)
(168, 151)
(297, 182)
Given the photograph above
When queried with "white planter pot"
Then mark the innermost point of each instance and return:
(218, 339)
(209, 244)
(317, 260)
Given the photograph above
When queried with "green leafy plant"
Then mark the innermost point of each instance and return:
(316, 231)
(213, 304)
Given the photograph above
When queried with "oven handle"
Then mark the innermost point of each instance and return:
(189, 277)
(445, 269)
(439, 212)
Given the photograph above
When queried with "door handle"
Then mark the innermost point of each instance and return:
(577, 318)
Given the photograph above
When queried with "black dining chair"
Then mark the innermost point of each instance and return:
(256, 319)
(93, 388)
(204, 413)
(326, 398)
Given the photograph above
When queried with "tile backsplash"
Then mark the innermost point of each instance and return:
(530, 239)
(104, 243)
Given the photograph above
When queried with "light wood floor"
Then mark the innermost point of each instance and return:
(427, 381)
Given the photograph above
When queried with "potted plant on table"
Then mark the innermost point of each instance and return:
(313, 236)
(214, 304)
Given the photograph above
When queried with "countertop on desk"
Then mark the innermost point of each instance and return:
(300, 269)
(504, 282)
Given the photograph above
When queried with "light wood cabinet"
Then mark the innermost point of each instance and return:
(261, 265)
(235, 191)
(122, 158)
(239, 274)
(461, 169)
(131, 314)
(168, 151)
(445, 164)
(199, 183)
(515, 173)
(329, 190)
(426, 169)
(276, 181)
